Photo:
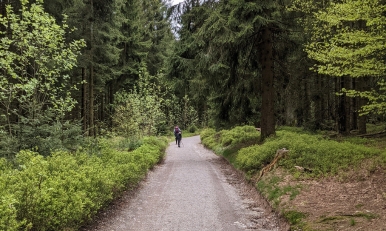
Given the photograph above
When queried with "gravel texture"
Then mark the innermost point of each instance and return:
(193, 189)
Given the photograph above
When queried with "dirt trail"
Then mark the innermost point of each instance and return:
(192, 190)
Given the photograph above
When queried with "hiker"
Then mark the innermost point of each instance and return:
(177, 131)
(179, 137)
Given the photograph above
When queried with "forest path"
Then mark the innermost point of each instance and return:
(193, 189)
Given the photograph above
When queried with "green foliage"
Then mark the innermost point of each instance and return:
(34, 62)
(35, 58)
(139, 113)
(8, 212)
(208, 138)
(227, 142)
(292, 129)
(8, 146)
(322, 156)
(348, 37)
(215, 60)
(294, 217)
(192, 129)
(129, 144)
(181, 112)
(238, 135)
(64, 190)
(376, 98)
(348, 40)
(373, 128)
(352, 222)
(45, 137)
(272, 189)
(255, 157)
(360, 141)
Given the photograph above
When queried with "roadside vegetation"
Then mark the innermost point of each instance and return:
(65, 190)
(311, 157)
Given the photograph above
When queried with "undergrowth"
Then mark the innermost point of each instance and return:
(273, 190)
(229, 142)
(319, 155)
(61, 191)
(316, 152)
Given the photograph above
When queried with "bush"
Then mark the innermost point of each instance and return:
(208, 138)
(45, 138)
(228, 139)
(239, 135)
(8, 213)
(310, 151)
(64, 190)
(192, 129)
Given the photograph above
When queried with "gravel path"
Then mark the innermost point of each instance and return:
(193, 189)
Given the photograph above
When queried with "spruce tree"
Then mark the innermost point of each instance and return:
(237, 47)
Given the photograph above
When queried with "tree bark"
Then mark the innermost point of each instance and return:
(361, 102)
(344, 109)
(91, 83)
(268, 91)
(91, 102)
(318, 99)
(84, 101)
(354, 107)
(306, 103)
(347, 104)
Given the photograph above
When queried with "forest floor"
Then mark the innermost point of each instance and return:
(351, 200)
(354, 200)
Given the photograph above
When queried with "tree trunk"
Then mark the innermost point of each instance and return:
(110, 102)
(336, 103)
(91, 101)
(347, 104)
(91, 83)
(344, 109)
(103, 101)
(84, 101)
(306, 103)
(318, 98)
(354, 107)
(268, 91)
(362, 82)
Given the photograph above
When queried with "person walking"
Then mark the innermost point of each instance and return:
(177, 135)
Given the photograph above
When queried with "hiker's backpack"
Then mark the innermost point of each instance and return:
(176, 130)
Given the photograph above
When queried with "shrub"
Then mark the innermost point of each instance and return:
(8, 213)
(207, 133)
(192, 129)
(208, 138)
(244, 135)
(62, 191)
(238, 135)
(311, 151)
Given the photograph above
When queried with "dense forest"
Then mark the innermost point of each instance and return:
(74, 73)
(75, 68)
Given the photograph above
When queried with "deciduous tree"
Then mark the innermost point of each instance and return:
(34, 59)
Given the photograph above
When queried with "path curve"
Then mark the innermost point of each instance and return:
(193, 189)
